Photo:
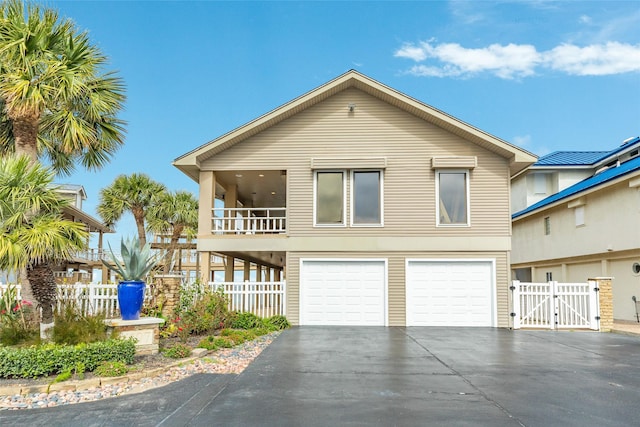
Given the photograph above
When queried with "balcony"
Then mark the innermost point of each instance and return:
(247, 221)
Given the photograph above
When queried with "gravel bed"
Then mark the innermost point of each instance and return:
(223, 361)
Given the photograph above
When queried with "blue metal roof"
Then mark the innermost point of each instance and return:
(571, 158)
(605, 176)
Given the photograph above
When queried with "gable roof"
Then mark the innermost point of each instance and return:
(601, 178)
(189, 163)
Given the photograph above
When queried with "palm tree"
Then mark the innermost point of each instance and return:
(33, 234)
(133, 193)
(174, 214)
(56, 103)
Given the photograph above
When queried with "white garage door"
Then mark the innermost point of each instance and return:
(342, 292)
(450, 293)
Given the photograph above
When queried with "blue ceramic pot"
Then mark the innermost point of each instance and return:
(131, 298)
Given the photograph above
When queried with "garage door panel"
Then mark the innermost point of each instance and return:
(342, 292)
(449, 293)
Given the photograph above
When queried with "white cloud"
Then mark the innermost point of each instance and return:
(519, 60)
(595, 60)
(585, 19)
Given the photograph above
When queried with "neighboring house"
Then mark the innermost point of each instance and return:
(577, 216)
(378, 209)
(82, 266)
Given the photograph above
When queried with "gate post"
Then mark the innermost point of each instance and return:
(515, 303)
(553, 306)
(605, 297)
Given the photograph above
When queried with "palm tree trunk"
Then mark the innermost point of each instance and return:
(45, 292)
(138, 215)
(25, 132)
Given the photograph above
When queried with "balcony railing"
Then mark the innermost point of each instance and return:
(249, 220)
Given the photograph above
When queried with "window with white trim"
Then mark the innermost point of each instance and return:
(330, 198)
(547, 226)
(366, 198)
(452, 193)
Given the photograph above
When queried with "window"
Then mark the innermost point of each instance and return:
(547, 226)
(329, 198)
(366, 193)
(549, 276)
(453, 197)
(579, 213)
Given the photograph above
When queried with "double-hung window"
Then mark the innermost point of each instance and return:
(452, 193)
(366, 198)
(330, 198)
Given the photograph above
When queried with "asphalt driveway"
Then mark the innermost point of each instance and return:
(341, 376)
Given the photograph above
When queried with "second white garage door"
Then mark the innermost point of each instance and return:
(450, 293)
(343, 292)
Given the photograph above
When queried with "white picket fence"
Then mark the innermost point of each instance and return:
(263, 299)
(554, 305)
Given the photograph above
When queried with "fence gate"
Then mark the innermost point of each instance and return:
(554, 305)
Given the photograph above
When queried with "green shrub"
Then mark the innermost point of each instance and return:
(111, 369)
(246, 321)
(279, 322)
(47, 359)
(72, 327)
(238, 336)
(200, 311)
(263, 331)
(16, 333)
(209, 343)
(224, 342)
(178, 351)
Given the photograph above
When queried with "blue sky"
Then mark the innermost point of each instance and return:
(543, 75)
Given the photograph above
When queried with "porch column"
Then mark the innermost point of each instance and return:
(229, 269)
(204, 268)
(564, 275)
(258, 273)
(206, 203)
(103, 269)
(231, 202)
(278, 275)
(267, 274)
(247, 270)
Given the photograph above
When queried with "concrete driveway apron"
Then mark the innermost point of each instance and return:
(343, 376)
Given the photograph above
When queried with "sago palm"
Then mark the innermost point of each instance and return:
(174, 214)
(33, 233)
(57, 104)
(129, 193)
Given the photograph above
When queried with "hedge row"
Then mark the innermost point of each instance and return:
(36, 361)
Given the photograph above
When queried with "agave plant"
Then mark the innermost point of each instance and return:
(137, 261)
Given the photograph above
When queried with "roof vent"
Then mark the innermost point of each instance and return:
(628, 140)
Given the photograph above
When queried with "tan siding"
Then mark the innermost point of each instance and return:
(396, 279)
(375, 129)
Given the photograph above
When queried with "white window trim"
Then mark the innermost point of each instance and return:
(351, 201)
(467, 189)
(344, 199)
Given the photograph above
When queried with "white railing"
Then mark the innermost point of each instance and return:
(96, 255)
(249, 220)
(554, 305)
(90, 298)
(264, 299)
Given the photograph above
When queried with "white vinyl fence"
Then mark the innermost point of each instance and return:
(554, 305)
(263, 299)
